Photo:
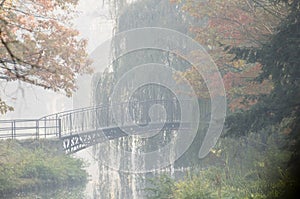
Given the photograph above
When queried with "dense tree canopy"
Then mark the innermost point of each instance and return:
(223, 25)
(280, 63)
(278, 111)
(256, 46)
(39, 46)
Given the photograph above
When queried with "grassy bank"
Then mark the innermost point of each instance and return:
(28, 165)
(236, 168)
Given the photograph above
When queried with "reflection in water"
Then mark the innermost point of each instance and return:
(105, 183)
(118, 185)
(64, 193)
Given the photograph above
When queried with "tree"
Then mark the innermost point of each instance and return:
(39, 46)
(223, 25)
(280, 109)
(279, 59)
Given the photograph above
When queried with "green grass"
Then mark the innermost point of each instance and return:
(248, 171)
(28, 165)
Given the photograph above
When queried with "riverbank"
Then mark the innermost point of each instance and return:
(28, 165)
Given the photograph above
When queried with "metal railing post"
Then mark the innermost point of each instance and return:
(70, 124)
(59, 127)
(37, 129)
(45, 127)
(12, 129)
(56, 123)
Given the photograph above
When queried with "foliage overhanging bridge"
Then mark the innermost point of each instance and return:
(80, 128)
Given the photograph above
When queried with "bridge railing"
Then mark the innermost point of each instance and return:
(122, 114)
(97, 117)
(126, 114)
(28, 128)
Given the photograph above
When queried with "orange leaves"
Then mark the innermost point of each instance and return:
(193, 78)
(199, 85)
(46, 51)
(232, 23)
(241, 103)
(241, 84)
(27, 22)
(175, 1)
(46, 4)
(237, 84)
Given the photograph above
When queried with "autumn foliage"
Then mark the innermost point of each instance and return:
(221, 26)
(38, 44)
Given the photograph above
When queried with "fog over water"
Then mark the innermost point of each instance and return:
(190, 99)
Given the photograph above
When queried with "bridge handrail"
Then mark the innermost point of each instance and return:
(12, 126)
(50, 125)
(102, 106)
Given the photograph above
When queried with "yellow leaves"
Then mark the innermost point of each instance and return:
(217, 152)
(175, 1)
(239, 63)
(193, 78)
(194, 186)
(7, 4)
(286, 125)
(261, 164)
(4, 108)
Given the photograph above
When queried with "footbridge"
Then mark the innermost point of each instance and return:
(80, 128)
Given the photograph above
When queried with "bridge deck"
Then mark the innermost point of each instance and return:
(84, 127)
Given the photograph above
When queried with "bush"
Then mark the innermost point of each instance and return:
(193, 188)
(22, 167)
(161, 187)
(250, 170)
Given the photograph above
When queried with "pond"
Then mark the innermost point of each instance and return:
(63, 193)
(104, 183)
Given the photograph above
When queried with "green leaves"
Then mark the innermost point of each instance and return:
(280, 60)
(24, 167)
(161, 187)
(254, 168)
